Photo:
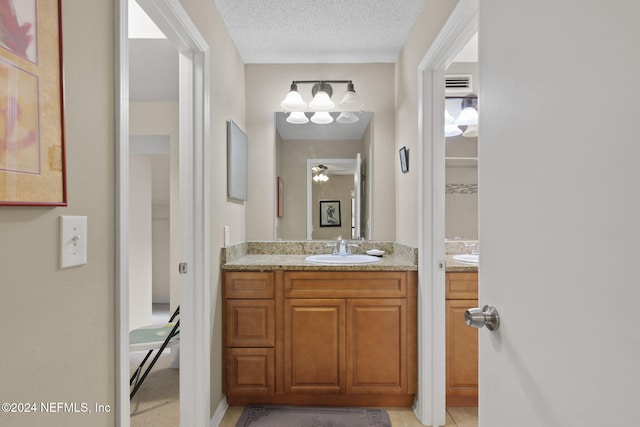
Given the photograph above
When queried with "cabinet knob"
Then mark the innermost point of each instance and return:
(478, 317)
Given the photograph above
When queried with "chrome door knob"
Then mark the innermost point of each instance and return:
(487, 316)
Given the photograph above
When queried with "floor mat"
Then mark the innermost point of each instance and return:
(311, 416)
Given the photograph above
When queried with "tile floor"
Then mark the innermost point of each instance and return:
(400, 417)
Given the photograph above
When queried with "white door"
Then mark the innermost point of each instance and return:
(559, 208)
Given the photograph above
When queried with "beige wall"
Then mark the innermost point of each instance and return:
(266, 87)
(58, 325)
(227, 103)
(422, 35)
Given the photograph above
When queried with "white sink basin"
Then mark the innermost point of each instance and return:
(342, 259)
(469, 258)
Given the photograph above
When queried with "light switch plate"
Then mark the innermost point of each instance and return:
(73, 241)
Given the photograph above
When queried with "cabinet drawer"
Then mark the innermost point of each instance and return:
(461, 285)
(250, 323)
(250, 371)
(345, 284)
(249, 284)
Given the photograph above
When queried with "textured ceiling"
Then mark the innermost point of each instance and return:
(319, 31)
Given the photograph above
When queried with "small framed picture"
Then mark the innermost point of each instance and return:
(404, 159)
(330, 213)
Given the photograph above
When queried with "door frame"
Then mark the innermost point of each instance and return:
(194, 107)
(462, 24)
(309, 177)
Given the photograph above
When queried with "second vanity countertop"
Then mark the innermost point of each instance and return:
(451, 265)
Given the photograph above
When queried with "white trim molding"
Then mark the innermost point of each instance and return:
(430, 404)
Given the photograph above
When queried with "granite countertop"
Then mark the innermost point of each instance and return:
(297, 262)
(453, 265)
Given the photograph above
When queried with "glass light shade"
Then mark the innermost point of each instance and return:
(297, 118)
(321, 178)
(451, 130)
(293, 102)
(321, 118)
(321, 102)
(471, 131)
(448, 118)
(347, 117)
(468, 116)
(351, 101)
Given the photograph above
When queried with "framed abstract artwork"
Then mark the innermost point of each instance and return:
(330, 213)
(32, 155)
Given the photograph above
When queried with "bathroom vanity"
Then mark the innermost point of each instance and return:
(297, 332)
(461, 293)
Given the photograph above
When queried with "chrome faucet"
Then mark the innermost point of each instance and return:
(343, 249)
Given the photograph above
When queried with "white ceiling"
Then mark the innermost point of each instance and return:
(313, 31)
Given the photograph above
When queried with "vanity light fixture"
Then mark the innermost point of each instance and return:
(450, 128)
(297, 118)
(321, 102)
(347, 117)
(468, 117)
(322, 118)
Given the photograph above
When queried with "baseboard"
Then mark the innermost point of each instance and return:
(219, 413)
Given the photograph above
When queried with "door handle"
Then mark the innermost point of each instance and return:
(487, 316)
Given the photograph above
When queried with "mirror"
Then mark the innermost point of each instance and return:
(339, 152)
(461, 181)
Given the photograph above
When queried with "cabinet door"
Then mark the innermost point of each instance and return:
(250, 323)
(249, 284)
(462, 355)
(314, 342)
(250, 371)
(376, 346)
(461, 285)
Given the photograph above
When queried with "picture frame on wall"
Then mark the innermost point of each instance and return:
(330, 213)
(32, 153)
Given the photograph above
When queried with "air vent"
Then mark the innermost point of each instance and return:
(458, 84)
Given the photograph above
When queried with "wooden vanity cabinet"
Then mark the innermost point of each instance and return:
(342, 338)
(249, 333)
(461, 340)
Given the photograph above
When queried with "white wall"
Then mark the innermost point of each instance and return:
(58, 324)
(161, 118)
(140, 270)
(267, 85)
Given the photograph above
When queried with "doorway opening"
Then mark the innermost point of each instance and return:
(192, 214)
(430, 404)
